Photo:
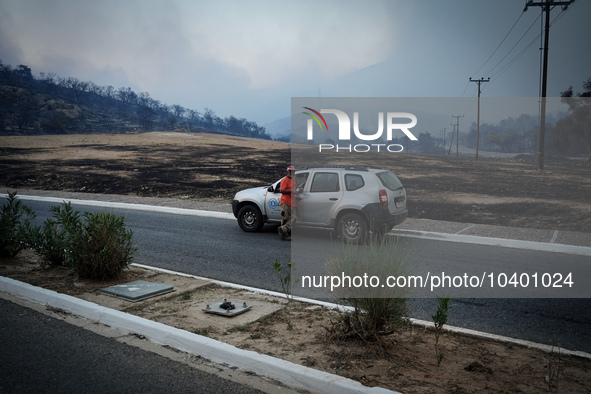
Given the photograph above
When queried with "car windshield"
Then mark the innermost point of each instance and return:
(389, 180)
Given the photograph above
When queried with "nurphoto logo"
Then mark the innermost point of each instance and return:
(344, 130)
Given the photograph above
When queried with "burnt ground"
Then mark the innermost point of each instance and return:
(509, 192)
(164, 171)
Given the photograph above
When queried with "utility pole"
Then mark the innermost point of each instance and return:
(444, 129)
(457, 133)
(452, 139)
(478, 81)
(546, 5)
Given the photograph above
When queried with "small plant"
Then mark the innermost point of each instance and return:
(53, 240)
(240, 328)
(440, 318)
(186, 296)
(284, 279)
(554, 366)
(377, 310)
(15, 226)
(203, 331)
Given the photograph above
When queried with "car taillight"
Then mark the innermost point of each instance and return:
(383, 198)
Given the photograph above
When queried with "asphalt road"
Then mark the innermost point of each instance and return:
(218, 249)
(41, 354)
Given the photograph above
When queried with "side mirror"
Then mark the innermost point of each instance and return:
(270, 189)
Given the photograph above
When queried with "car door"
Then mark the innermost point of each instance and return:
(320, 197)
(272, 199)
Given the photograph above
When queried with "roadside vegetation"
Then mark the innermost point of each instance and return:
(96, 245)
(374, 312)
(15, 226)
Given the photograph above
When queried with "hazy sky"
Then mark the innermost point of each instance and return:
(248, 58)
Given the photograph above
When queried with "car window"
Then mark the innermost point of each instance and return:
(323, 182)
(389, 180)
(278, 186)
(353, 182)
(301, 178)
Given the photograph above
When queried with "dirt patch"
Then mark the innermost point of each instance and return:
(199, 166)
(301, 333)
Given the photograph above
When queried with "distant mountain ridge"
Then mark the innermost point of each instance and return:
(280, 129)
(50, 104)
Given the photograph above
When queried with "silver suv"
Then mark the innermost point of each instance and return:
(352, 200)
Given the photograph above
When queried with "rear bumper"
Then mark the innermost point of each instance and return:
(380, 218)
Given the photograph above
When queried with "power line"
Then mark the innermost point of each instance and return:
(498, 46)
(460, 102)
(512, 48)
(523, 51)
(546, 6)
(487, 60)
(508, 65)
(492, 54)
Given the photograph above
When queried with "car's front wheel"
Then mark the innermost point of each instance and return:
(353, 228)
(250, 218)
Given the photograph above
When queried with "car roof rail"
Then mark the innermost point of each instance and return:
(339, 166)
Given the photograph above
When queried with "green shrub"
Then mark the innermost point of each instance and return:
(102, 247)
(98, 247)
(53, 240)
(15, 226)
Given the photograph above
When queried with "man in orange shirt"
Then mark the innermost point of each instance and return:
(287, 187)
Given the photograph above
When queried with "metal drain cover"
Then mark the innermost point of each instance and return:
(137, 291)
(226, 308)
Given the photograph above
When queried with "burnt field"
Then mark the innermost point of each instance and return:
(510, 192)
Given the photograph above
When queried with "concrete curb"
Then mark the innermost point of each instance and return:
(291, 374)
(124, 205)
(507, 243)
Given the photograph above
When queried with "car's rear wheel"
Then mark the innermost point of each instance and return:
(250, 218)
(353, 228)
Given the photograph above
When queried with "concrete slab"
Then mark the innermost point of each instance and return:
(137, 290)
(186, 310)
(181, 285)
(227, 308)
